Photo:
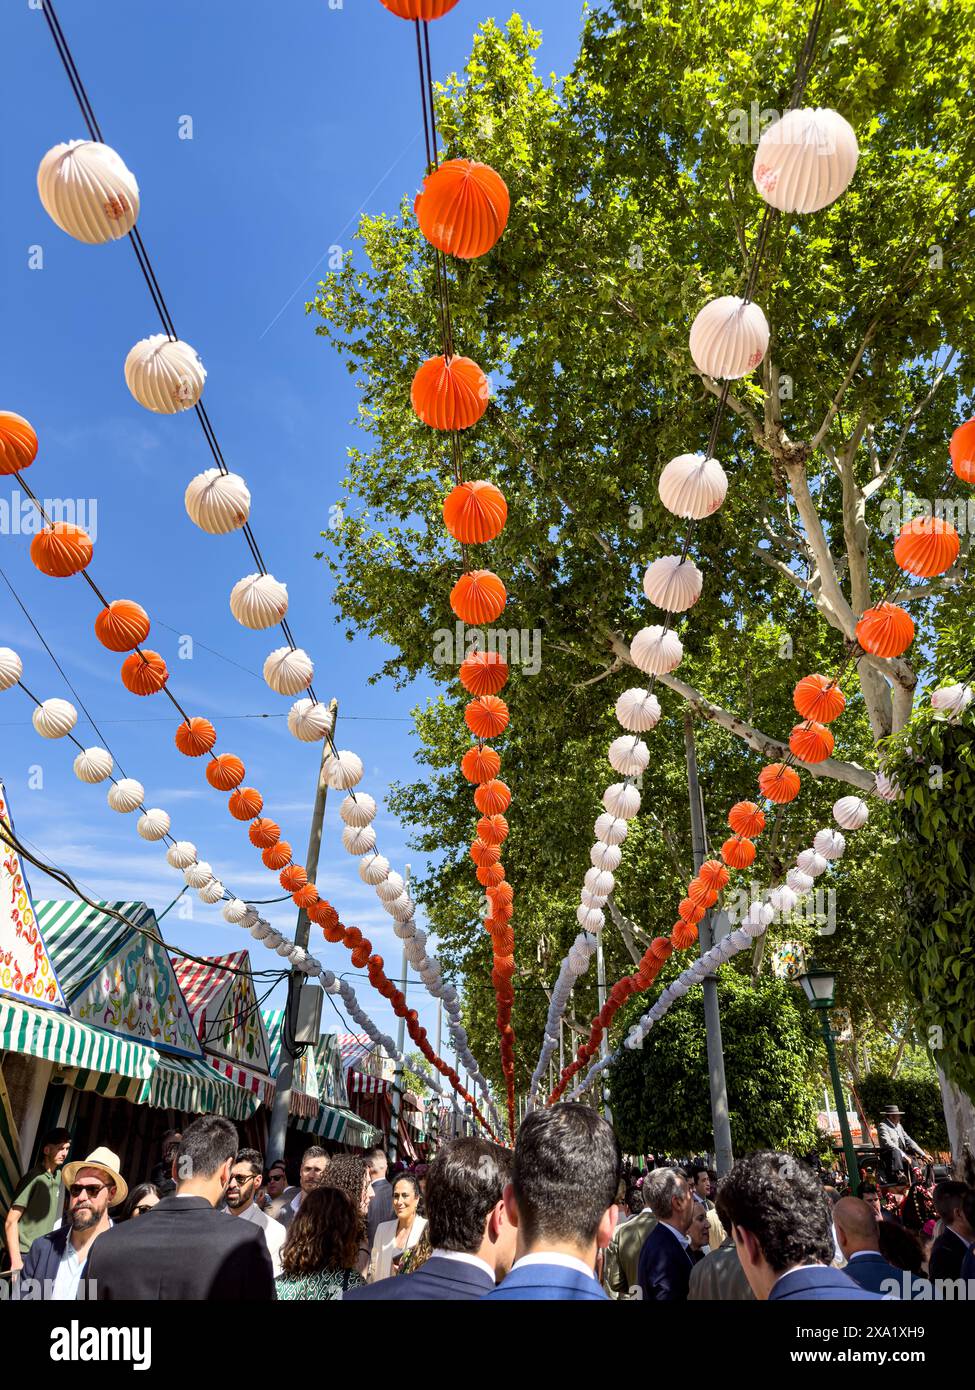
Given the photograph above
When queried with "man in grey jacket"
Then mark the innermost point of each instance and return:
(895, 1143)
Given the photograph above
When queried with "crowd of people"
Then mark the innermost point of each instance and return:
(558, 1217)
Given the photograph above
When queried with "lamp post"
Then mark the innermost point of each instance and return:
(819, 987)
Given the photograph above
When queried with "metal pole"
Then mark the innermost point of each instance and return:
(852, 1166)
(604, 1040)
(278, 1130)
(400, 1044)
(720, 1120)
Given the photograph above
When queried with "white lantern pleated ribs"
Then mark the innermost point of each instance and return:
(621, 800)
(88, 192)
(783, 898)
(390, 888)
(126, 795)
(93, 765)
(805, 160)
(798, 881)
(164, 374)
(729, 338)
(829, 843)
(656, 650)
(850, 812)
(258, 601)
(343, 770)
(610, 829)
(154, 824)
(310, 720)
(373, 869)
(212, 892)
(811, 862)
(600, 882)
(11, 668)
(235, 911)
(888, 788)
(638, 710)
(181, 854)
(359, 839)
(672, 584)
(693, 486)
(198, 874)
(289, 671)
(54, 718)
(217, 502)
(358, 810)
(603, 856)
(629, 756)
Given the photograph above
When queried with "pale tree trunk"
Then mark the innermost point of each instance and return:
(959, 1117)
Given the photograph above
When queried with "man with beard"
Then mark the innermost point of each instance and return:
(246, 1177)
(93, 1185)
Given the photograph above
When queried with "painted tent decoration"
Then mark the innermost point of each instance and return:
(331, 1075)
(305, 1097)
(27, 972)
(220, 995)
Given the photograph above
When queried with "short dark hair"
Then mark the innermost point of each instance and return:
(55, 1136)
(464, 1183)
(948, 1197)
(411, 1178)
(206, 1144)
(324, 1234)
(565, 1173)
(314, 1151)
(252, 1158)
(900, 1247)
(782, 1203)
(968, 1206)
(277, 1163)
(869, 1189)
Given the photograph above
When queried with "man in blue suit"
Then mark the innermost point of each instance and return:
(665, 1265)
(472, 1238)
(858, 1236)
(562, 1199)
(782, 1225)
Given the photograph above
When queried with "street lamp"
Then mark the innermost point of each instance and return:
(819, 987)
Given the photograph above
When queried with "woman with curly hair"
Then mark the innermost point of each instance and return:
(350, 1174)
(319, 1256)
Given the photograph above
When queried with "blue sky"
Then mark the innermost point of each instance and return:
(303, 116)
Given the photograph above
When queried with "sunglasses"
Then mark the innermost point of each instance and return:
(88, 1189)
(141, 1210)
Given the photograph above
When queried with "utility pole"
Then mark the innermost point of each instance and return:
(286, 1062)
(604, 1040)
(720, 1120)
(400, 1044)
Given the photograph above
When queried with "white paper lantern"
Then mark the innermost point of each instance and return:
(198, 874)
(126, 795)
(261, 929)
(310, 720)
(610, 829)
(164, 375)
(591, 899)
(212, 892)
(578, 962)
(811, 862)
(783, 899)
(358, 810)
(673, 584)
(598, 881)
(273, 939)
(182, 854)
(628, 756)
(218, 503)
(621, 801)
(11, 668)
(390, 888)
(289, 671)
(343, 770)
(887, 788)
(656, 650)
(952, 700)
(402, 909)
(285, 947)
(829, 843)
(258, 601)
(693, 486)
(93, 765)
(729, 338)
(373, 868)
(54, 718)
(805, 160)
(798, 881)
(758, 914)
(154, 824)
(250, 917)
(590, 917)
(605, 856)
(638, 710)
(235, 911)
(850, 812)
(359, 839)
(87, 190)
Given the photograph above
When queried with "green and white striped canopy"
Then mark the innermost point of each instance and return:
(194, 1086)
(81, 939)
(339, 1125)
(55, 1037)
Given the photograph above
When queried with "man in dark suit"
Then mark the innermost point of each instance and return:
(949, 1250)
(664, 1270)
(381, 1202)
(562, 1200)
(473, 1241)
(184, 1249)
(55, 1261)
(858, 1236)
(782, 1225)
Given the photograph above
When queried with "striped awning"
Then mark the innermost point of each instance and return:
(82, 939)
(352, 1046)
(341, 1126)
(305, 1096)
(190, 1084)
(219, 993)
(10, 1165)
(59, 1038)
(362, 1085)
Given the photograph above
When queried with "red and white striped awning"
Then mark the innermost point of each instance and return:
(363, 1085)
(220, 996)
(353, 1046)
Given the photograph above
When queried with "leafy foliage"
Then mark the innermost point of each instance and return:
(918, 1097)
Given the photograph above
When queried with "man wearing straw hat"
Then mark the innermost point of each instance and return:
(55, 1261)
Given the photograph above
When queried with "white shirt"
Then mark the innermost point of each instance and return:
(552, 1257)
(69, 1272)
(460, 1257)
(274, 1233)
(385, 1249)
(679, 1234)
(295, 1202)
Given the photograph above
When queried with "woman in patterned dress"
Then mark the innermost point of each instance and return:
(319, 1256)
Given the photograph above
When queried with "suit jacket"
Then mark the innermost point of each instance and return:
(184, 1250)
(947, 1254)
(44, 1255)
(437, 1279)
(870, 1269)
(968, 1267)
(549, 1284)
(720, 1277)
(664, 1271)
(896, 1137)
(380, 1207)
(622, 1258)
(815, 1283)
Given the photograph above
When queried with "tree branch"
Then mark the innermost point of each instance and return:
(627, 930)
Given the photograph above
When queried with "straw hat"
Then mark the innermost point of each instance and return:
(106, 1162)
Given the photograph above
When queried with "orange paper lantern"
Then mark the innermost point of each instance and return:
(305, 897)
(811, 742)
(660, 948)
(122, 625)
(483, 673)
(779, 782)
(962, 450)
(480, 765)
(490, 875)
(701, 893)
(292, 878)
(713, 874)
(334, 934)
(276, 856)
(493, 830)
(478, 597)
(264, 833)
(885, 630)
(927, 546)
(359, 957)
(738, 853)
(482, 853)
(196, 736)
(324, 914)
(419, 9)
(820, 698)
(487, 716)
(61, 549)
(144, 673)
(475, 512)
(18, 442)
(746, 819)
(246, 803)
(683, 934)
(449, 393)
(463, 208)
(493, 797)
(225, 771)
(690, 911)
